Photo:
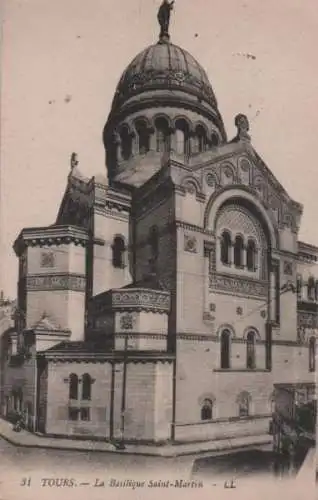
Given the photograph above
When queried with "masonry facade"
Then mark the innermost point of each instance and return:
(169, 297)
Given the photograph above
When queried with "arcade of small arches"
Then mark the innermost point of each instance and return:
(80, 395)
(180, 136)
(243, 402)
(251, 340)
(237, 250)
(225, 346)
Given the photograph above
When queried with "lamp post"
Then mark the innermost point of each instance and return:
(121, 445)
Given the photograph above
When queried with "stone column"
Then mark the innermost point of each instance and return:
(172, 139)
(117, 142)
(209, 269)
(134, 143)
(152, 138)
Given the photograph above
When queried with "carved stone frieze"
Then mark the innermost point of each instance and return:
(141, 299)
(154, 78)
(47, 259)
(237, 285)
(211, 179)
(62, 281)
(127, 321)
(190, 244)
(288, 267)
(244, 164)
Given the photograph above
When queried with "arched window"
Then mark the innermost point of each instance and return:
(311, 288)
(126, 143)
(312, 354)
(243, 402)
(225, 349)
(225, 247)
(207, 410)
(251, 255)
(118, 250)
(86, 387)
(250, 351)
(201, 138)
(238, 251)
(143, 137)
(73, 387)
(162, 135)
(214, 140)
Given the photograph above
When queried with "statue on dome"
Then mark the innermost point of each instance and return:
(164, 17)
(74, 161)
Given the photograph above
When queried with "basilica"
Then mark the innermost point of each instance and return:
(170, 296)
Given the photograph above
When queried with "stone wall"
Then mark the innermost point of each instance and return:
(56, 286)
(66, 309)
(222, 430)
(107, 225)
(147, 406)
(57, 421)
(199, 377)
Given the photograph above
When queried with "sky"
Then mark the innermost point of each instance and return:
(61, 62)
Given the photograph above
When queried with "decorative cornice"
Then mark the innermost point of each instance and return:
(58, 281)
(236, 285)
(192, 227)
(306, 257)
(133, 335)
(115, 357)
(142, 299)
(111, 214)
(163, 100)
(235, 340)
(48, 236)
(197, 337)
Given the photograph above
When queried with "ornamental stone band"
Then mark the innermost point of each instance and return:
(74, 282)
(158, 301)
(238, 285)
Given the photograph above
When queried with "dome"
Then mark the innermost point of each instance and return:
(164, 66)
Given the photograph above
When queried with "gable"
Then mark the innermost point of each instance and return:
(237, 166)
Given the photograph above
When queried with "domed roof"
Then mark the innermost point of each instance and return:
(164, 66)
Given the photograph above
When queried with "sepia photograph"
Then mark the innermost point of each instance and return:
(159, 249)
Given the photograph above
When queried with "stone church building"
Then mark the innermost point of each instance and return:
(169, 296)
